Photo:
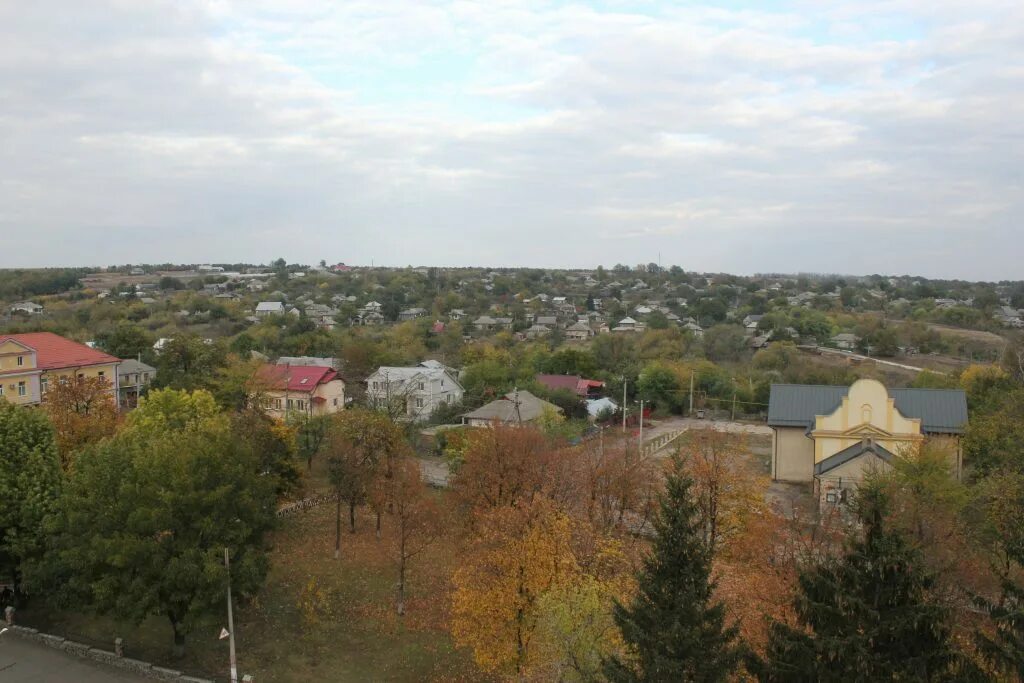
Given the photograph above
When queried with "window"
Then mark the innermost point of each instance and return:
(100, 373)
(22, 389)
(419, 403)
(448, 398)
(81, 375)
(335, 401)
(145, 377)
(301, 405)
(44, 384)
(420, 386)
(21, 360)
(289, 404)
(1, 389)
(277, 404)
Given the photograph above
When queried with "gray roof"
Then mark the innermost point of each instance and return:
(130, 366)
(942, 411)
(504, 409)
(851, 453)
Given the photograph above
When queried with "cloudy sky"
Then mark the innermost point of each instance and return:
(855, 137)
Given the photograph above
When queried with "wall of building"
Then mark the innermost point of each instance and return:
(793, 454)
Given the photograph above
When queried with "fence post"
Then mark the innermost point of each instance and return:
(119, 647)
(9, 615)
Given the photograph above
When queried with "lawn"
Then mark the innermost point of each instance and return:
(355, 634)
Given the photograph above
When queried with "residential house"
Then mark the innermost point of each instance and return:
(371, 318)
(265, 308)
(578, 332)
(456, 314)
(750, 324)
(549, 321)
(832, 436)
(584, 388)
(30, 362)
(311, 390)
(628, 324)
(846, 341)
(373, 307)
(28, 307)
(516, 407)
(536, 331)
(486, 323)
(133, 379)
(415, 391)
(693, 328)
(309, 361)
(412, 314)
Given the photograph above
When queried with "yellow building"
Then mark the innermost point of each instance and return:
(832, 436)
(30, 363)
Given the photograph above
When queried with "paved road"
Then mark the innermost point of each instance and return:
(26, 661)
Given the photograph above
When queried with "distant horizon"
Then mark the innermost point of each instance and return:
(591, 268)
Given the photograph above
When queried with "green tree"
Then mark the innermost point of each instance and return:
(187, 362)
(146, 516)
(865, 616)
(127, 341)
(30, 482)
(672, 629)
(725, 343)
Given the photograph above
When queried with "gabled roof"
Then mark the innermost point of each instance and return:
(852, 453)
(304, 378)
(54, 352)
(942, 411)
(130, 366)
(504, 409)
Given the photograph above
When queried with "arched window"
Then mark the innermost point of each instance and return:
(865, 413)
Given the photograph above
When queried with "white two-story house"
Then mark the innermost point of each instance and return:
(415, 391)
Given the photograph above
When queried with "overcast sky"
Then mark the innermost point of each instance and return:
(855, 137)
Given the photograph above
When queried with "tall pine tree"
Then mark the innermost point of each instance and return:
(672, 629)
(865, 616)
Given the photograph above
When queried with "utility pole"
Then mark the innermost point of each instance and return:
(733, 399)
(640, 447)
(231, 622)
(515, 402)
(690, 414)
(623, 404)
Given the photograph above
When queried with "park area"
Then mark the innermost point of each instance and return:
(316, 618)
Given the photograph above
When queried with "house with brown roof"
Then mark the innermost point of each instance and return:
(30, 363)
(515, 407)
(584, 388)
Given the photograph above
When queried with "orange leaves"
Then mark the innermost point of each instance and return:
(82, 411)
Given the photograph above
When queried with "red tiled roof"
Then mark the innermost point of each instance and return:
(573, 383)
(54, 352)
(303, 378)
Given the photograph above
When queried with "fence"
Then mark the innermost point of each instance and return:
(89, 648)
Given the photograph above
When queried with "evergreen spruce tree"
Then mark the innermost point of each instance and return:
(865, 616)
(672, 629)
(1005, 649)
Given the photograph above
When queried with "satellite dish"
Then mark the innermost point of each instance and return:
(223, 634)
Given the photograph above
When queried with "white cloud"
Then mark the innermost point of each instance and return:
(431, 131)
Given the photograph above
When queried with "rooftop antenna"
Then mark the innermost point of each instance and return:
(516, 403)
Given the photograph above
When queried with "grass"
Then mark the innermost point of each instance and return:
(354, 635)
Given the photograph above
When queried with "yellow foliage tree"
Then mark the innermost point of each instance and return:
(519, 553)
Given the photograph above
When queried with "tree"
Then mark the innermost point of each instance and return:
(30, 483)
(725, 343)
(146, 516)
(127, 341)
(518, 554)
(672, 629)
(83, 412)
(310, 435)
(865, 615)
(417, 521)
(726, 489)
(187, 362)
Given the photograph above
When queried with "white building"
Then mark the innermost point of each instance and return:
(417, 391)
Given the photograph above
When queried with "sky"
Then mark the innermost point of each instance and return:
(862, 136)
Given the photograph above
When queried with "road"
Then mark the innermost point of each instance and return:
(26, 661)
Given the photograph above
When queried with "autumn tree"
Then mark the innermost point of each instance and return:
(500, 465)
(30, 484)
(83, 411)
(518, 554)
(416, 520)
(673, 628)
(727, 488)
